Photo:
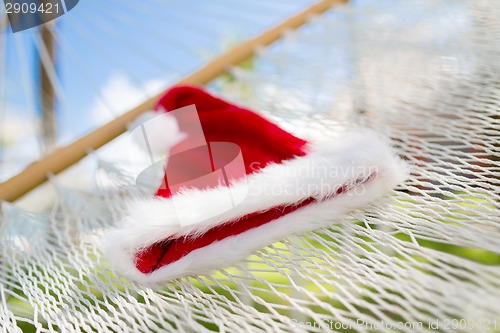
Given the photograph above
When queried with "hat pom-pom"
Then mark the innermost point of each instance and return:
(156, 132)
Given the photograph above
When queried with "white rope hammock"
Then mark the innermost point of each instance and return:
(425, 74)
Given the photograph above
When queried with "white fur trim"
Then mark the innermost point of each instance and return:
(326, 167)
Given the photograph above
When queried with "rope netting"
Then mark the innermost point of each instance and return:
(425, 74)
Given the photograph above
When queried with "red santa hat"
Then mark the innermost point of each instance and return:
(242, 184)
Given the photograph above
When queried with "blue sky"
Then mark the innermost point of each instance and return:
(112, 54)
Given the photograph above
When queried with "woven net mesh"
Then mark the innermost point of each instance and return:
(425, 74)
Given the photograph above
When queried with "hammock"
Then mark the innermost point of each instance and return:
(426, 75)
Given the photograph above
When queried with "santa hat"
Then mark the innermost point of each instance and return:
(241, 185)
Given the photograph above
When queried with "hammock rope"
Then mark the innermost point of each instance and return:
(423, 74)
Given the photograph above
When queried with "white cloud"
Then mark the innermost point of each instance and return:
(18, 142)
(15, 128)
(119, 95)
(122, 95)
